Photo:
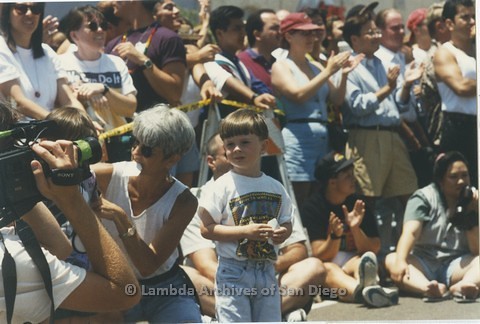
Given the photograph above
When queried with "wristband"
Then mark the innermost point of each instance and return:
(254, 96)
(106, 89)
(334, 237)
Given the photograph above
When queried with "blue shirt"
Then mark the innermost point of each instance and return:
(362, 107)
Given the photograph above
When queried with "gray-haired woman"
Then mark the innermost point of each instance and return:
(155, 209)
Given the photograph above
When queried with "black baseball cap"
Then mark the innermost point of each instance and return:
(330, 165)
(360, 10)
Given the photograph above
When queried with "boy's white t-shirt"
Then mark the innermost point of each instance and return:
(237, 200)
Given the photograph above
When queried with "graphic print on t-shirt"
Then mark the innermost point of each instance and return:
(112, 79)
(258, 208)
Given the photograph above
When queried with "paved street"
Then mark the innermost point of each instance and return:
(408, 309)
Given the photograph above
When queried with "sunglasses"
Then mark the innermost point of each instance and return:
(146, 151)
(306, 33)
(22, 9)
(93, 26)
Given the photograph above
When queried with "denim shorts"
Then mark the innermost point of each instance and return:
(440, 271)
(170, 301)
(246, 291)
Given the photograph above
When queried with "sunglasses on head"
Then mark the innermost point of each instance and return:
(93, 25)
(22, 9)
(146, 151)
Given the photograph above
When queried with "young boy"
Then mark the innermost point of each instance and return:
(248, 214)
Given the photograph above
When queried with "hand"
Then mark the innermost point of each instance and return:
(107, 210)
(128, 52)
(58, 155)
(258, 232)
(355, 217)
(207, 53)
(86, 90)
(335, 225)
(209, 91)
(400, 271)
(413, 73)
(265, 101)
(335, 63)
(50, 27)
(99, 101)
(352, 63)
(392, 75)
(204, 13)
(279, 235)
(473, 205)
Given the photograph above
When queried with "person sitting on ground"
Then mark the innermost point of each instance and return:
(248, 214)
(296, 271)
(437, 254)
(102, 289)
(154, 210)
(344, 235)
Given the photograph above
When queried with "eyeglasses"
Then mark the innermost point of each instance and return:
(146, 151)
(373, 32)
(22, 9)
(93, 26)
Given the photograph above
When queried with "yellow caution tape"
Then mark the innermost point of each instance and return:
(186, 108)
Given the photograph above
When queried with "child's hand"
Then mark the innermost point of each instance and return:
(279, 235)
(258, 232)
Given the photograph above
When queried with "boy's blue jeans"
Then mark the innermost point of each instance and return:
(247, 291)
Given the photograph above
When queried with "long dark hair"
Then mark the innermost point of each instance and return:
(37, 35)
(444, 161)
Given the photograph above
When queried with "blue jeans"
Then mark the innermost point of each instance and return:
(170, 301)
(247, 291)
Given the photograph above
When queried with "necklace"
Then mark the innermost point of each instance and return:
(35, 87)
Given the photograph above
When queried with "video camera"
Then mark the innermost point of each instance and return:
(18, 190)
(462, 219)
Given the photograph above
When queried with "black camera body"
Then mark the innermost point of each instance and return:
(462, 219)
(18, 190)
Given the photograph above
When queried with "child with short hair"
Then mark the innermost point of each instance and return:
(248, 213)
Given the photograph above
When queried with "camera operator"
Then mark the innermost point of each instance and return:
(437, 254)
(101, 290)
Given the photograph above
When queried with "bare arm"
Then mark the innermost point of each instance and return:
(48, 231)
(24, 105)
(290, 254)
(473, 242)
(205, 261)
(104, 288)
(217, 232)
(65, 96)
(448, 71)
(236, 87)
(103, 173)
(410, 233)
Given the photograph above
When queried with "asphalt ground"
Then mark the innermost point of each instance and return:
(408, 309)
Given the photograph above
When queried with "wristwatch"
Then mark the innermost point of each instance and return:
(106, 89)
(130, 232)
(148, 64)
(334, 237)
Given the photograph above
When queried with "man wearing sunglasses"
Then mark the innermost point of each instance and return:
(155, 55)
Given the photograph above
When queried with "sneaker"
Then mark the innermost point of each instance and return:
(377, 296)
(298, 315)
(367, 270)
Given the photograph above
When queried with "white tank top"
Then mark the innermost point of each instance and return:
(149, 221)
(451, 102)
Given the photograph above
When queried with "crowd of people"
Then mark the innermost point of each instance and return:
(140, 239)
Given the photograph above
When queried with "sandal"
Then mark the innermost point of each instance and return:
(432, 299)
(462, 299)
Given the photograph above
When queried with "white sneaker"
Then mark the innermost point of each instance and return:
(367, 270)
(377, 296)
(298, 315)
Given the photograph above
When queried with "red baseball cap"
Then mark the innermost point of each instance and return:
(416, 17)
(297, 21)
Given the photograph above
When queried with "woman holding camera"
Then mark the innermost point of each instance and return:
(154, 211)
(37, 83)
(437, 254)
